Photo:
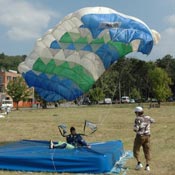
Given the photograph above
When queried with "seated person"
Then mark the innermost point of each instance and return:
(73, 140)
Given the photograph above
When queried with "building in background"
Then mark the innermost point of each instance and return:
(5, 78)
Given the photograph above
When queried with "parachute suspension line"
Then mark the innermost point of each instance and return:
(104, 118)
(106, 115)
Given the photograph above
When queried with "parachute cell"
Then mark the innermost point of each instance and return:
(68, 59)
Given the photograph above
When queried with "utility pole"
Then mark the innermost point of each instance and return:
(119, 90)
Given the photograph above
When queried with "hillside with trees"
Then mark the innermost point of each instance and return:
(10, 62)
(128, 76)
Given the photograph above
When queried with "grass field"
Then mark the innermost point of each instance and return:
(115, 122)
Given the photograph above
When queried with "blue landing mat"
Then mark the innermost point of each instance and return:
(35, 156)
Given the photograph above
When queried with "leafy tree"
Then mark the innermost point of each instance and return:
(159, 82)
(10, 62)
(108, 83)
(18, 90)
(165, 62)
(139, 76)
(124, 79)
(135, 94)
(96, 94)
(168, 64)
(2, 56)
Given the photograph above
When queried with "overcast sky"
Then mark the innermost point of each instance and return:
(23, 21)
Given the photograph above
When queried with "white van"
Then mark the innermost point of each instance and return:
(125, 99)
(107, 101)
(6, 103)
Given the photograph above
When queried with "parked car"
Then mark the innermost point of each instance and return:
(107, 101)
(125, 99)
(132, 101)
(152, 100)
(6, 103)
(171, 99)
(84, 101)
(116, 101)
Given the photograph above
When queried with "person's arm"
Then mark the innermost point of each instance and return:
(136, 125)
(152, 120)
(81, 141)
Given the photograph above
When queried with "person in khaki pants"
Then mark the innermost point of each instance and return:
(142, 139)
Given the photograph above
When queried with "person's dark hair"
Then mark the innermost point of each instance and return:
(72, 129)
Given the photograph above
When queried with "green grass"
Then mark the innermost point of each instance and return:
(115, 122)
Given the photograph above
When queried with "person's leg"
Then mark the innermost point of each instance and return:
(136, 148)
(136, 151)
(61, 145)
(69, 146)
(146, 150)
(51, 145)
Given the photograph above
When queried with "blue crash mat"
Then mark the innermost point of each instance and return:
(35, 156)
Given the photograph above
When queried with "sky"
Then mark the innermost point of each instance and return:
(22, 22)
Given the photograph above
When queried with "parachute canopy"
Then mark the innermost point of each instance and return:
(69, 58)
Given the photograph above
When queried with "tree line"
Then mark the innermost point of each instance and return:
(138, 79)
(10, 62)
(131, 77)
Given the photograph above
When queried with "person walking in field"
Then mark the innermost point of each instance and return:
(142, 139)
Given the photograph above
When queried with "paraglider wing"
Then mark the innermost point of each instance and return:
(68, 59)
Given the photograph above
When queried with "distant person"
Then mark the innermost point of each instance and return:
(142, 139)
(73, 140)
(8, 110)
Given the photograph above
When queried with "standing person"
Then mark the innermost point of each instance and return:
(142, 139)
(8, 109)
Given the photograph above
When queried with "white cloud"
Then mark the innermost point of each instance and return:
(23, 20)
(167, 41)
(170, 20)
(166, 44)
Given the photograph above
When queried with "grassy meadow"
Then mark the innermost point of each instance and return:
(114, 122)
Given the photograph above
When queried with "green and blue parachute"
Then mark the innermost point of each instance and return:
(69, 58)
